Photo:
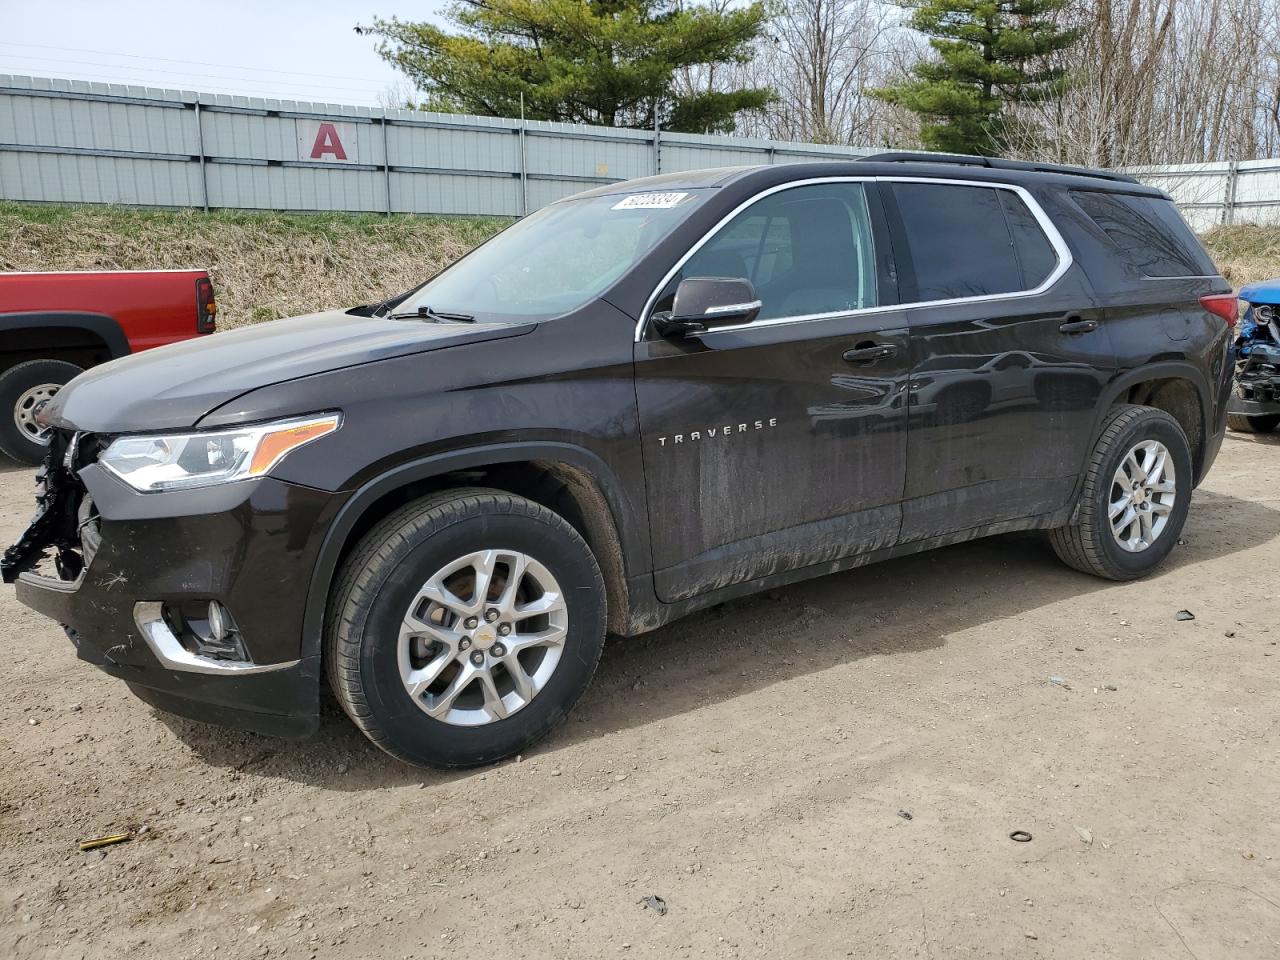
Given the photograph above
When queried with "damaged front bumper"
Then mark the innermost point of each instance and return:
(129, 576)
(1257, 382)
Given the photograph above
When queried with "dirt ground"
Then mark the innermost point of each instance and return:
(753, 766)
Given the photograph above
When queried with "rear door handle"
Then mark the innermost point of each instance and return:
(1078, 325)
(871, 353)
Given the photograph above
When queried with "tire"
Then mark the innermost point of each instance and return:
(22, 389)
(382, 586)
(1243, 423)
(1089, 543)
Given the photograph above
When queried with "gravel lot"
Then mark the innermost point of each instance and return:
(750, 765)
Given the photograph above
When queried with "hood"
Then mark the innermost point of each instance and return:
(174, 386)
(1264, 291)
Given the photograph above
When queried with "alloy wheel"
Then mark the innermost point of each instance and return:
(1143, 491)
(482, 637)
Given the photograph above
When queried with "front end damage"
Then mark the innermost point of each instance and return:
(195, 599)
(58, 533)
(1257, 353)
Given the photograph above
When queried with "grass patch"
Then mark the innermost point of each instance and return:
(1245, 253)
(269, 265)
(264, 265)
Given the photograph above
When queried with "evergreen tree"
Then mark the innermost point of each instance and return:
(991, 53)
(607, 62)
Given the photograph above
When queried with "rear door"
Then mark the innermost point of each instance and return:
(779, 444)
(1008, 356)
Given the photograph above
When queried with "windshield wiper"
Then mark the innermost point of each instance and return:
(426, 313)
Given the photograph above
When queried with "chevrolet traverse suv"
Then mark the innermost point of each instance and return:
(635, 403)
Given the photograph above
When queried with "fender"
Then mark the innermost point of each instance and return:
(105, 328)
(1163, 370)
(415, 470)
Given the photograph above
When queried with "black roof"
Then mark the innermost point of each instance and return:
(933, 166)
(996, 163)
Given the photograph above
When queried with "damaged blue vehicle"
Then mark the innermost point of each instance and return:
(1255, 401)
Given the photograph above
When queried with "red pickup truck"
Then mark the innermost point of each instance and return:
(54, 325)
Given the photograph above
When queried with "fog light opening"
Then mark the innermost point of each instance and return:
(207, 629)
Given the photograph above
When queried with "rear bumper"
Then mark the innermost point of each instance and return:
(250, 546)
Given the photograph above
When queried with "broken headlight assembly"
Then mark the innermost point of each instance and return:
(156, 463)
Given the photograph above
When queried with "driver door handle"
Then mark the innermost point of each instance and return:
(871, 353)
(1078, 325)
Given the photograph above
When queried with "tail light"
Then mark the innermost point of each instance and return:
(206, 307)
(1224, 305)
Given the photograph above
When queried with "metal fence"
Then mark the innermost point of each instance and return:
(1208, 194)
(68, 141)
(75, 142)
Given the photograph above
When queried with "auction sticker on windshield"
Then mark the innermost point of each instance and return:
(649, 201)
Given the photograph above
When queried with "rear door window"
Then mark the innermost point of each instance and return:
(971, 241)
(1034, 251)
(1148, 233)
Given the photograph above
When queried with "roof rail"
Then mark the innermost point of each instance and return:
(995, 163)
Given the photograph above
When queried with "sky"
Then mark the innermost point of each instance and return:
(283, 49)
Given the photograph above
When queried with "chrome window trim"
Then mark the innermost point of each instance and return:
(1060, 249)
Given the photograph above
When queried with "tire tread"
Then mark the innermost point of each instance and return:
(9, 446)
(1078, 544)
(370, 563)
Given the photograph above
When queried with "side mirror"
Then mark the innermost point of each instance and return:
(705, 302)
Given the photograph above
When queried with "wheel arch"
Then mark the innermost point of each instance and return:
(1178, 388)
(569, 480)
(57, 334)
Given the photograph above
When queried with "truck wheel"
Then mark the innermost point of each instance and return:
(1242, 423)
(1136, 493)
(23, 389)
(464, 627)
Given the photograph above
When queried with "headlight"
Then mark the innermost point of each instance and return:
(180, 461)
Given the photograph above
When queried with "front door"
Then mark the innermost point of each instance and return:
(779, 444)
(1009, 358)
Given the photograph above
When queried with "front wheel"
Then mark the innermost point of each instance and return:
(464, 627)
(1134, 502)
(24, 389)
(1243, 423)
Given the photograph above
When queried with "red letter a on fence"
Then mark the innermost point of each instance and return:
(327, 142)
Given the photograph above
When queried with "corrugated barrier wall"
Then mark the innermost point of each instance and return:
(68, 141)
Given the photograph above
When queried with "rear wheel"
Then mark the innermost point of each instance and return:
(464, 627)
(1243, 423)
(24, 389)
(1136, 493)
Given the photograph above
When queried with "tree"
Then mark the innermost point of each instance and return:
(606, 62)
(1166, 83)
(990, 54)
(822, 58)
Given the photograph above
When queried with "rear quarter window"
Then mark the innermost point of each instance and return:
(1148, 233)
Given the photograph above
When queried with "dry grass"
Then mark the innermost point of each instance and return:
(264, 265)
(1245, 253)
(269, 265)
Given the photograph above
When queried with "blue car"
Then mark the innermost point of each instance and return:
(1255, 401)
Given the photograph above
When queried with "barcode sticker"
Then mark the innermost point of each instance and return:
(649, 201)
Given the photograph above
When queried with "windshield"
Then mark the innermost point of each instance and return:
(557, 259)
